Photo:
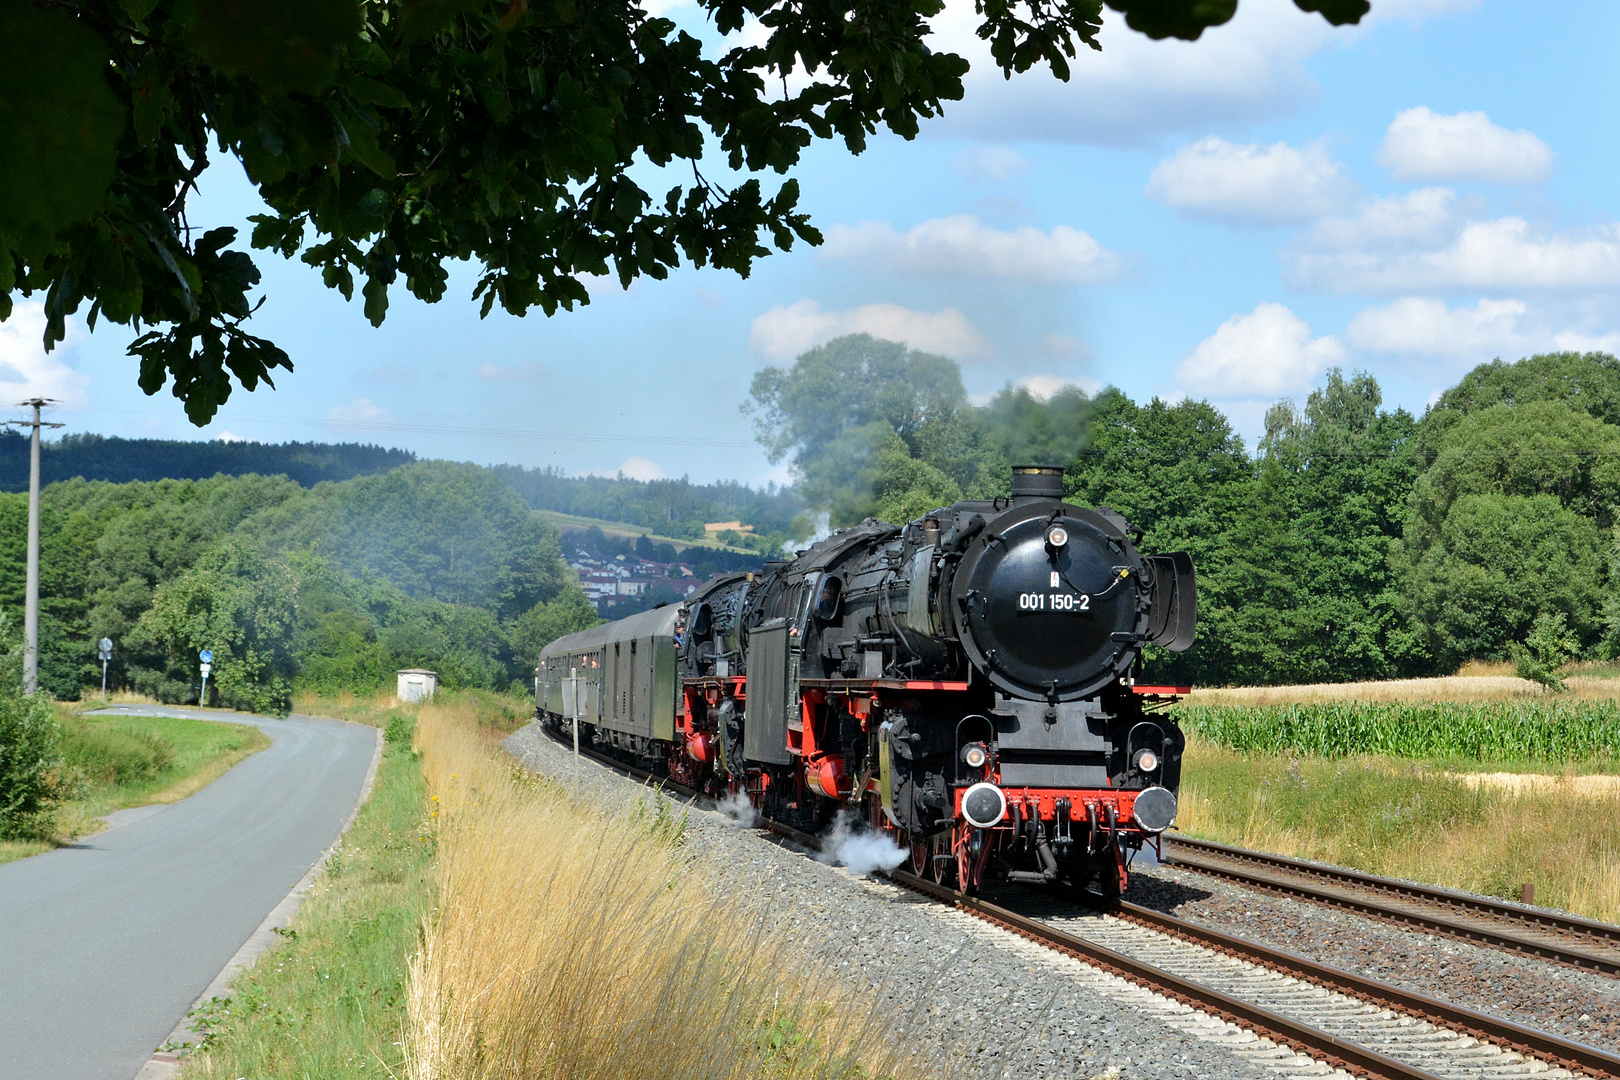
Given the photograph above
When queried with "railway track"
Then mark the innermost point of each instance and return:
(1365, 1027)
(1561, 939)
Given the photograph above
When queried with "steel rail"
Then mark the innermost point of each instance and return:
(1340, 1053)
(1594, 932)
(1542, 1045)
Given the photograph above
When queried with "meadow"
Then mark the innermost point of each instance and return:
(1479, 782)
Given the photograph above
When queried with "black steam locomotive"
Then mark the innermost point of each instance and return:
(966, 682)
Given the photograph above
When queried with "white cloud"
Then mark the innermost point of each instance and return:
(360, 414)
(1137, 90)
(1424, 326)
(784, 332)
(635, 468)
(229, 436)
(1504, 253)
(991, 164)
(27, 370)
(1215, 178)
(516, 372)
(960, 245)
(1042, 387)
(1425, 216)
(1422, 144)
(1266, 353)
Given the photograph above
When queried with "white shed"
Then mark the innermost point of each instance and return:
(416, 684)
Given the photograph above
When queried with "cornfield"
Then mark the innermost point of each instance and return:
(1540, 731)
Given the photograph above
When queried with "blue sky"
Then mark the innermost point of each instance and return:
(1222, 219)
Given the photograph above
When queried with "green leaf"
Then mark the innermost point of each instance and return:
(282, 45)
(1337, 12)
(59, 141)
(373, 92)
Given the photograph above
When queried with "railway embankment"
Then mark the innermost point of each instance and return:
(973, 998)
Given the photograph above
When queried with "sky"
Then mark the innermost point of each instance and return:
(1224, 219)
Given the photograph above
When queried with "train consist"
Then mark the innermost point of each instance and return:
(965, 682)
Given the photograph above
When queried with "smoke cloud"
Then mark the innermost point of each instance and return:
(857, 848)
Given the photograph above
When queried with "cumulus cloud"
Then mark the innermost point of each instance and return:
(27, 370)
(784, 332)
(1424, 326)
(517, 372)
(1266, 353)
(962, 246)
(1136, 90)
(1215, 178)
(1422, 144)
(1504, 253)
(634, 468)
(360, 414)
(1423, 217)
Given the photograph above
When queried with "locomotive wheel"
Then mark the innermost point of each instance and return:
(920, 852)
(940, 863)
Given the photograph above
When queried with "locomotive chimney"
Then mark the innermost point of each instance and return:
(1036, 482)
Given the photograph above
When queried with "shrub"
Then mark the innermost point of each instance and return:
(399, 730)
(1548, 647)
(30, 764)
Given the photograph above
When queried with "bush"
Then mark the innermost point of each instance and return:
(399, 730)
(1548, 647)
(30, 765)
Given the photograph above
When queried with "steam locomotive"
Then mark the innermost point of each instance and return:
(965, 682)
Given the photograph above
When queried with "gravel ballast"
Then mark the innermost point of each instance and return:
(979, 998)
(1579, 1005)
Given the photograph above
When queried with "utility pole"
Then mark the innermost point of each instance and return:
(31, 603)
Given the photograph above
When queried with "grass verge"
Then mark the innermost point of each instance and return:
(622, 965)
(116, 762)
(329, 1000)
(1412, 820)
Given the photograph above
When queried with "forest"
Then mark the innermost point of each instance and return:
(329, 588)
(1354, 542)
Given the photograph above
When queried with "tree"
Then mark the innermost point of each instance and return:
(241, 606)
(389, 137)
(1586, 382)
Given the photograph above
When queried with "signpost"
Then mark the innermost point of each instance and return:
(207, 658)
(105, 646)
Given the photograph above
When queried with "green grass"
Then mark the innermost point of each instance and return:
(328, 1002)
(1497, 732)
(496, 714)
(116, 762)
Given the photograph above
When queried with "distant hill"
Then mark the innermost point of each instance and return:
(101, 457)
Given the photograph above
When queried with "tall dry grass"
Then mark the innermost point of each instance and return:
(569, 943)
(1477, 682)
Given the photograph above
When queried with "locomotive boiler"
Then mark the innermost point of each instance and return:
(965, 682)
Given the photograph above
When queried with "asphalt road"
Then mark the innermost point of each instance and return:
(104, 945)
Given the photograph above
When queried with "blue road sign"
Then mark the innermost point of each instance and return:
(206, 656)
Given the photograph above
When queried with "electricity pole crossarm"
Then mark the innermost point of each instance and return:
(31, 603)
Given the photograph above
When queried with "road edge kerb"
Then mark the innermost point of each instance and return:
(165, 1064)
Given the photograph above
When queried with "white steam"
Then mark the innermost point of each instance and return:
(737, 810)
(859, 849)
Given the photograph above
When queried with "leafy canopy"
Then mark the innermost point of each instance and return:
(390, 136)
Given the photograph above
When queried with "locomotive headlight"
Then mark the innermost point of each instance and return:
(984, 805)
(1146, 760)
(974, 755)
(1057, 536)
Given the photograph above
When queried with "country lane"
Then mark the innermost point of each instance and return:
(105, 944)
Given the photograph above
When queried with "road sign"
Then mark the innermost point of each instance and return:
(105, 645)
(206, 668)
(206, 656)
